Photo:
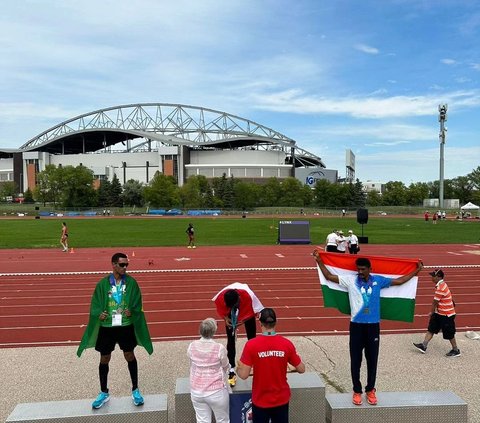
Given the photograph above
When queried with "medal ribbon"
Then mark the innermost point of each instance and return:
(117, 290)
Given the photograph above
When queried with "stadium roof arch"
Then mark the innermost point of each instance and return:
(169, 124)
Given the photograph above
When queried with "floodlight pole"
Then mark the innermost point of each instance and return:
(442, 117)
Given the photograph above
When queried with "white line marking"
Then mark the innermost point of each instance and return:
(455, 254)
(182, 259)
(243, 256)
(280, 255)
(231, 269)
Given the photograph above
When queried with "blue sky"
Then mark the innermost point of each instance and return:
(364, 75)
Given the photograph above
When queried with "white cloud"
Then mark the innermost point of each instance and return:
(449, 62)
(294, 101)
(366, 49)
(392, 132)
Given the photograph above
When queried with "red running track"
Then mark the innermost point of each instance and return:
(45, 294)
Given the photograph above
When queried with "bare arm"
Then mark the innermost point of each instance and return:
(326, 273)
(243, 371)
(405, 278)
(300, 368)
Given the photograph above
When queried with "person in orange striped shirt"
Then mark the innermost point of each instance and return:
(442, 316)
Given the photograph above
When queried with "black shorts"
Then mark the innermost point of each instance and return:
(107, 338)
(331, 249)
(444, 323)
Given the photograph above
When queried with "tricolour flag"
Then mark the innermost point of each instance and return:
(396, 302)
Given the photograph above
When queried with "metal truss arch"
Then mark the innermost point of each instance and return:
(174, 124)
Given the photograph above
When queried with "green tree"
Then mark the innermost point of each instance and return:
(28, 196)
(104, 193)
(133, 193)
(229, 194)
(270, 193)
(7, 189)
(374, 198)
(474, 177)
(49, 185)
(291, 193)
(219, 189)
(246, 195)
(307, 195)
(395, 194)
(116, 199)
(322, 193)
(463, 189)
(162, 191)
(359, 196)
(416, 193)
(77, 187)
(190, 194)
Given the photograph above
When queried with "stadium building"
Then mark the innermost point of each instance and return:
(135, 141)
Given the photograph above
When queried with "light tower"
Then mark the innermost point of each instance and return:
(442, 117)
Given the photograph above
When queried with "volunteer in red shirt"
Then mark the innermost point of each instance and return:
(237, 305)
(269, 355)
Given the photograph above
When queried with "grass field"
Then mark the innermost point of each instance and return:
(161, 231)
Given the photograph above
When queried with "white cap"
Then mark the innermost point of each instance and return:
(350, 231)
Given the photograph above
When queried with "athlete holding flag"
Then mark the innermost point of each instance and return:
(237, 305)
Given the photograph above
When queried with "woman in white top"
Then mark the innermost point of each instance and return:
(341, 243)
(352, 243)
(208, 376)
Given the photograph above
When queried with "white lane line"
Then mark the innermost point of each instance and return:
(455, 254)
(226, 269)
(243, 256)
(280, 255)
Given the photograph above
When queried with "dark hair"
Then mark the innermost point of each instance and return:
(363, 262)
(231, 297)
(268, 317)
(117, 256)
(438, 273)
(64, 224)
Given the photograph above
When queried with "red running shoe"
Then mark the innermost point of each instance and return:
(357, 398)
(371, 397)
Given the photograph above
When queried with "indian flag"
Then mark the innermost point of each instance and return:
(396, 302)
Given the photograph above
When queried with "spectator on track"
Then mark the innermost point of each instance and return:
(331, 242)
(353, 247)
(364, 297)
(269, 355)
(64, 237)
(237, 305)
(442, 315)
(341, 242)
(208, 375)
(116, 316)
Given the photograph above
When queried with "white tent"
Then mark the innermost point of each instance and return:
(470, 206)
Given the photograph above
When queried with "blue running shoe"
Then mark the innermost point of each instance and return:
(137, 397)
(102, 398)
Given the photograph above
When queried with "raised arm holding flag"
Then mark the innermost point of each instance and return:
(348, 284)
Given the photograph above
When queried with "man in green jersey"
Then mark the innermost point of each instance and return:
(116, 316)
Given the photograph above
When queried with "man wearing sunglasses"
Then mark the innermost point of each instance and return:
(116, 317)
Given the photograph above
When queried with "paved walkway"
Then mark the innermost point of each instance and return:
(49, 374)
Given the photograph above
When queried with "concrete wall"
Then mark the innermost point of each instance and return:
(237, 157)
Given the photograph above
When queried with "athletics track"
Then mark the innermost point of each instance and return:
(45, 294)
